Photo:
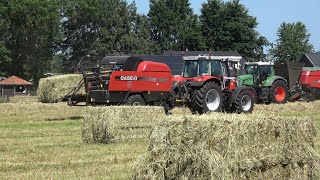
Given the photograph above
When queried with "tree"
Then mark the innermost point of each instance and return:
(32, 30)
(174, 26)
(292, 42)
(98, 28)
(227, 26)
(4, 59)
(4, 52)
(139, 37)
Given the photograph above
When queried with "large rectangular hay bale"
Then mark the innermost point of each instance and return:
(113, 123)
(52, 89)
(252, 146)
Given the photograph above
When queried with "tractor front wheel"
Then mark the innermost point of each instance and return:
(207, 99)
(135, 100)
(278, 92)
(244, 102)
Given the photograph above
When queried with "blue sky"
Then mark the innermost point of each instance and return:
(270, 14)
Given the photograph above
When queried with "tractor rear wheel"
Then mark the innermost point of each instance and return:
(135, 100)
(244, 102)
(278, 92)
(207, 99)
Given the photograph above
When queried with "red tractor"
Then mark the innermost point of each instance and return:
(208, 84)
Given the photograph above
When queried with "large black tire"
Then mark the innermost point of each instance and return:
(244, 102)
(207, 99)
(278, 92)
(135, 100)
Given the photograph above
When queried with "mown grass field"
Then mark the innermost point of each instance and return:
(43, 141)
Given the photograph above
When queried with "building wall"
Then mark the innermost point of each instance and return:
(9, 91)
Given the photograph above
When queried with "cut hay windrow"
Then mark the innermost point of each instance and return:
(114, 123)
(52, 89)
(219, 146)
(297, 106)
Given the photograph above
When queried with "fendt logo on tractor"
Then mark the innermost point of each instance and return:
(128, 78)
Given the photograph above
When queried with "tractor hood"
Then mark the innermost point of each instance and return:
(246, 79)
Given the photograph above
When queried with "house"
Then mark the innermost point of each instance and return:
(311, 59)
(14, 86)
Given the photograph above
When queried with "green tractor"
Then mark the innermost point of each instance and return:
(269, 88)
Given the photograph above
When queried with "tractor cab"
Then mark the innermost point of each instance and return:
(204, 67)
(201, 66)
(259, 71)
(207, 65)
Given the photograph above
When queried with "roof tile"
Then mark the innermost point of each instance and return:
(14, 80)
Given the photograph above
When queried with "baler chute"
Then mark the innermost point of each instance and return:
(302, 81)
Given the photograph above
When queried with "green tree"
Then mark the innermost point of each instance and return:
(99, 27)
(139, 37)
(5, 58)
(28, 41)
(228, 26)
(174, 25)
(292, 42)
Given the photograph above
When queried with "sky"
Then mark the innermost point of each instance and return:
(270, 14)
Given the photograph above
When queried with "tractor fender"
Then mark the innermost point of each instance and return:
(197, 83)
(238, 90)
(272, 79)
(200, 81)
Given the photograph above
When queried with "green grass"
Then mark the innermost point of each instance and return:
(43, 141)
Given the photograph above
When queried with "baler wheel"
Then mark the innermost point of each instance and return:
(278, 92)
(207, 99)
(135, 100)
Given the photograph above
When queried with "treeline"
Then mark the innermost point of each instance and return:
(39, 36)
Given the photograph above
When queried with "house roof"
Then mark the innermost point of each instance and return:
(195, 53)
(314, 58)
(14, 80)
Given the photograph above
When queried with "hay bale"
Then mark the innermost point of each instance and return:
(251, 146)
(52, 89)
(114, 123)
(179, 151)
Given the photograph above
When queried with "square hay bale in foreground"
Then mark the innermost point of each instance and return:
(113, 123)
(52, 89)
(218, 146)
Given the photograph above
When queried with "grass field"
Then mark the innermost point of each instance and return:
(43, 141)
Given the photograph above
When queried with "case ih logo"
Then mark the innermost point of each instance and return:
(136, 78)
(316, 82)
(128, 78)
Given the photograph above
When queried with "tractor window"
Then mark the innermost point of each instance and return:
(264, 71)
(190, 69)
(204, 67)
(251, 69)
(215, 68)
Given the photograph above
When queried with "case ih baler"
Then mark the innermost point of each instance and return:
(128, 80)
(206, 85)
